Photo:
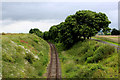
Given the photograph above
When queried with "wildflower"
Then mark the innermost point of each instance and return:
(23, 41)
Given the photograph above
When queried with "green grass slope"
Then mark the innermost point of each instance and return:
(24, 56)
(107, 39)
(0, 57)
(89, 59)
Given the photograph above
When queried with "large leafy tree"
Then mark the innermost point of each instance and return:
(106, 30)
(46, 35)
(36, 31)
(82, 25)
(95, 21)
(53, 32)
(115, 32)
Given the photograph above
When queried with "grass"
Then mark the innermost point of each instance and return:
(109, 39)
(0, 57)
(24, 56)
(89, 59)
(106, 40)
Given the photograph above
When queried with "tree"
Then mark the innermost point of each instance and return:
(36, 31)
(46, 35)
(93, 20)
(53, 32)
(106, 30)
(115, 32)
(31, 31)
(81, 25)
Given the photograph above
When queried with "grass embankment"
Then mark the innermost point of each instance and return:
(24, 56)
(89, 59)
(0, 57)
(110, 39)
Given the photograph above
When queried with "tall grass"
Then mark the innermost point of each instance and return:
(89, 59)
(0, 57)
(24, 56)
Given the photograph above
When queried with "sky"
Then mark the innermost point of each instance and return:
(20, 17)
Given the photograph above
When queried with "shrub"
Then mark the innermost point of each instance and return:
(101, 53)
(21, 56)
(36, 40)
(30, 57)
(90, 60)
(3, 33)
(7, 58)
(88, 71)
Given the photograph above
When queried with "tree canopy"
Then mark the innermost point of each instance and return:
(115, 32)
(36, 31)
(80, 26)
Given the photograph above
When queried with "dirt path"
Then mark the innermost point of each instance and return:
(54, 69)
(116, 46)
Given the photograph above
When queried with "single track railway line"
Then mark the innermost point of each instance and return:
(54, 70)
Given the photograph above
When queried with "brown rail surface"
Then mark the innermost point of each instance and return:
(54, 69)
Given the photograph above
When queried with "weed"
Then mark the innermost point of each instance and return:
(89, 59)
(24, 56)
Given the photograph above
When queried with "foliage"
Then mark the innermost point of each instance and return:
(37, 32)
(100, 53)
(115, 32)
(82, 24)
(89, 59)
(24, 56)
(106, 30)
(46, 35)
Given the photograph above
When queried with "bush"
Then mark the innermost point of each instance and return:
(36, 40)
(29, 57)
(90, 60)
(37, 32)
(88, 71)
(3, 33)
(24, 59)
(7, 58)
(101, 53)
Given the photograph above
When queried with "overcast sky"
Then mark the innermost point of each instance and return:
(20, 17)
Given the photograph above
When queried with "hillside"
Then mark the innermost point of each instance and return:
(88, 59)
(24, 56)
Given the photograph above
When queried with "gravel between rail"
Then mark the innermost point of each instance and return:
(54, 69)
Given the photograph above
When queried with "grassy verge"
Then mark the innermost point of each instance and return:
(0, 57)
(89, 59)
(24, 56)
(107, 40)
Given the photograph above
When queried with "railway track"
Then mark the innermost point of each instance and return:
(54, 69)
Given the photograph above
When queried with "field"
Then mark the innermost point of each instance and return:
(115, 39)
(24, 56)
(88, 59)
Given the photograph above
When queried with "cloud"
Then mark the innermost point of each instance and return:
(33, 11)
(52, 10)
(60, 0)
(25, 26)
(22, 16)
